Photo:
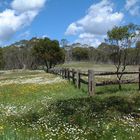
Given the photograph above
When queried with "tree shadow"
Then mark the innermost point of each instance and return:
(115, 89)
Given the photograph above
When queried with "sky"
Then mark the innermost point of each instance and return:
(78, 21)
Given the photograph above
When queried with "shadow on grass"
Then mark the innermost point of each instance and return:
(109, 89)
(88, 104)
(113, 89)
(80, 110)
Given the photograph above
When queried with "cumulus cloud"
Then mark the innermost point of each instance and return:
(99, 19)
(18, 16)
(27, 5)
(73, 29)
(130, 3)
(90, 39)
(133, 7)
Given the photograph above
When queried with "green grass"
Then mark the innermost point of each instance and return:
(61, 112)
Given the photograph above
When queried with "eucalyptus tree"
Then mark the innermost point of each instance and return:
(1, 59)
(138, 53)
(49, 52)
(122, 38)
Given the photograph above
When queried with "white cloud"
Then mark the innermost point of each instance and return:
(14, 19)
(86, 35)
(133, 7)
(99, 19)
(73, 29)
(27, 5)
(130, 3)
(90, 39)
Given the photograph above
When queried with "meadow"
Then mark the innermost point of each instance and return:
(35, 105)
(96, 67)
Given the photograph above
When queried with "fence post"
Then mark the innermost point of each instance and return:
(91, 83)
(63, 73)
(78, 79)
(73, 76)
(60, 72)
(68, 72)
(139, 77)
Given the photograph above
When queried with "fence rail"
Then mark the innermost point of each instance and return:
(76, 77)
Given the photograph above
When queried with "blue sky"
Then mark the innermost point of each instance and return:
(84, 21)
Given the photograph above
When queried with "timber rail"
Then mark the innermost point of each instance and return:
(78, 77)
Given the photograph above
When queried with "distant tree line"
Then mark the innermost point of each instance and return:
(104, 54)
(36, 53)
(122, 43)
(31, 54)
(45, 53)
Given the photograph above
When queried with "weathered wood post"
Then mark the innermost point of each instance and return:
(68, 74)
(73, 76)
(63, 73)
(91, 83)
(78, 85)
(57, 72)
(60, 72)
(139, 77)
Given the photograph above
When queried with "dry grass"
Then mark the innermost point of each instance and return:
(27, 77)
(96, 67)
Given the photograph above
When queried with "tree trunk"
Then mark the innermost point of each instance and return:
(46, 63)
(120, 86)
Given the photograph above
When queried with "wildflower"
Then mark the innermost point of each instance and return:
(1, 128)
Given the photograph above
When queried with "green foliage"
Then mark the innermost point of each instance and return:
(122, 37)
(64, 43)
(80, 53)
(118, 33)
(49, 52)
(1, 59)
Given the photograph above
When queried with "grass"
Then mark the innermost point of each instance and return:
(96, 67)
(59, 111)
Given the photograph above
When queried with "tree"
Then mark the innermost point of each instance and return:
(64, 43)
(104, 51)
(122, 38)
(79, 53)
(49, 52)
(67, 49)
(19, 55)
(1, 59)
(138, 53)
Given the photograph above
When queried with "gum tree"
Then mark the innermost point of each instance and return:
(49, 52)
(121, 38)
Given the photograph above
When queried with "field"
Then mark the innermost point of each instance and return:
(35, 105)
(96, 67)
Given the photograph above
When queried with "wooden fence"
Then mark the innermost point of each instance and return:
(76, 76)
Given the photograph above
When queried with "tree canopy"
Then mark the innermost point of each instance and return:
(122, 38)
(49, 52)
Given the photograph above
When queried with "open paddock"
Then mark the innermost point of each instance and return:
(41, 106)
